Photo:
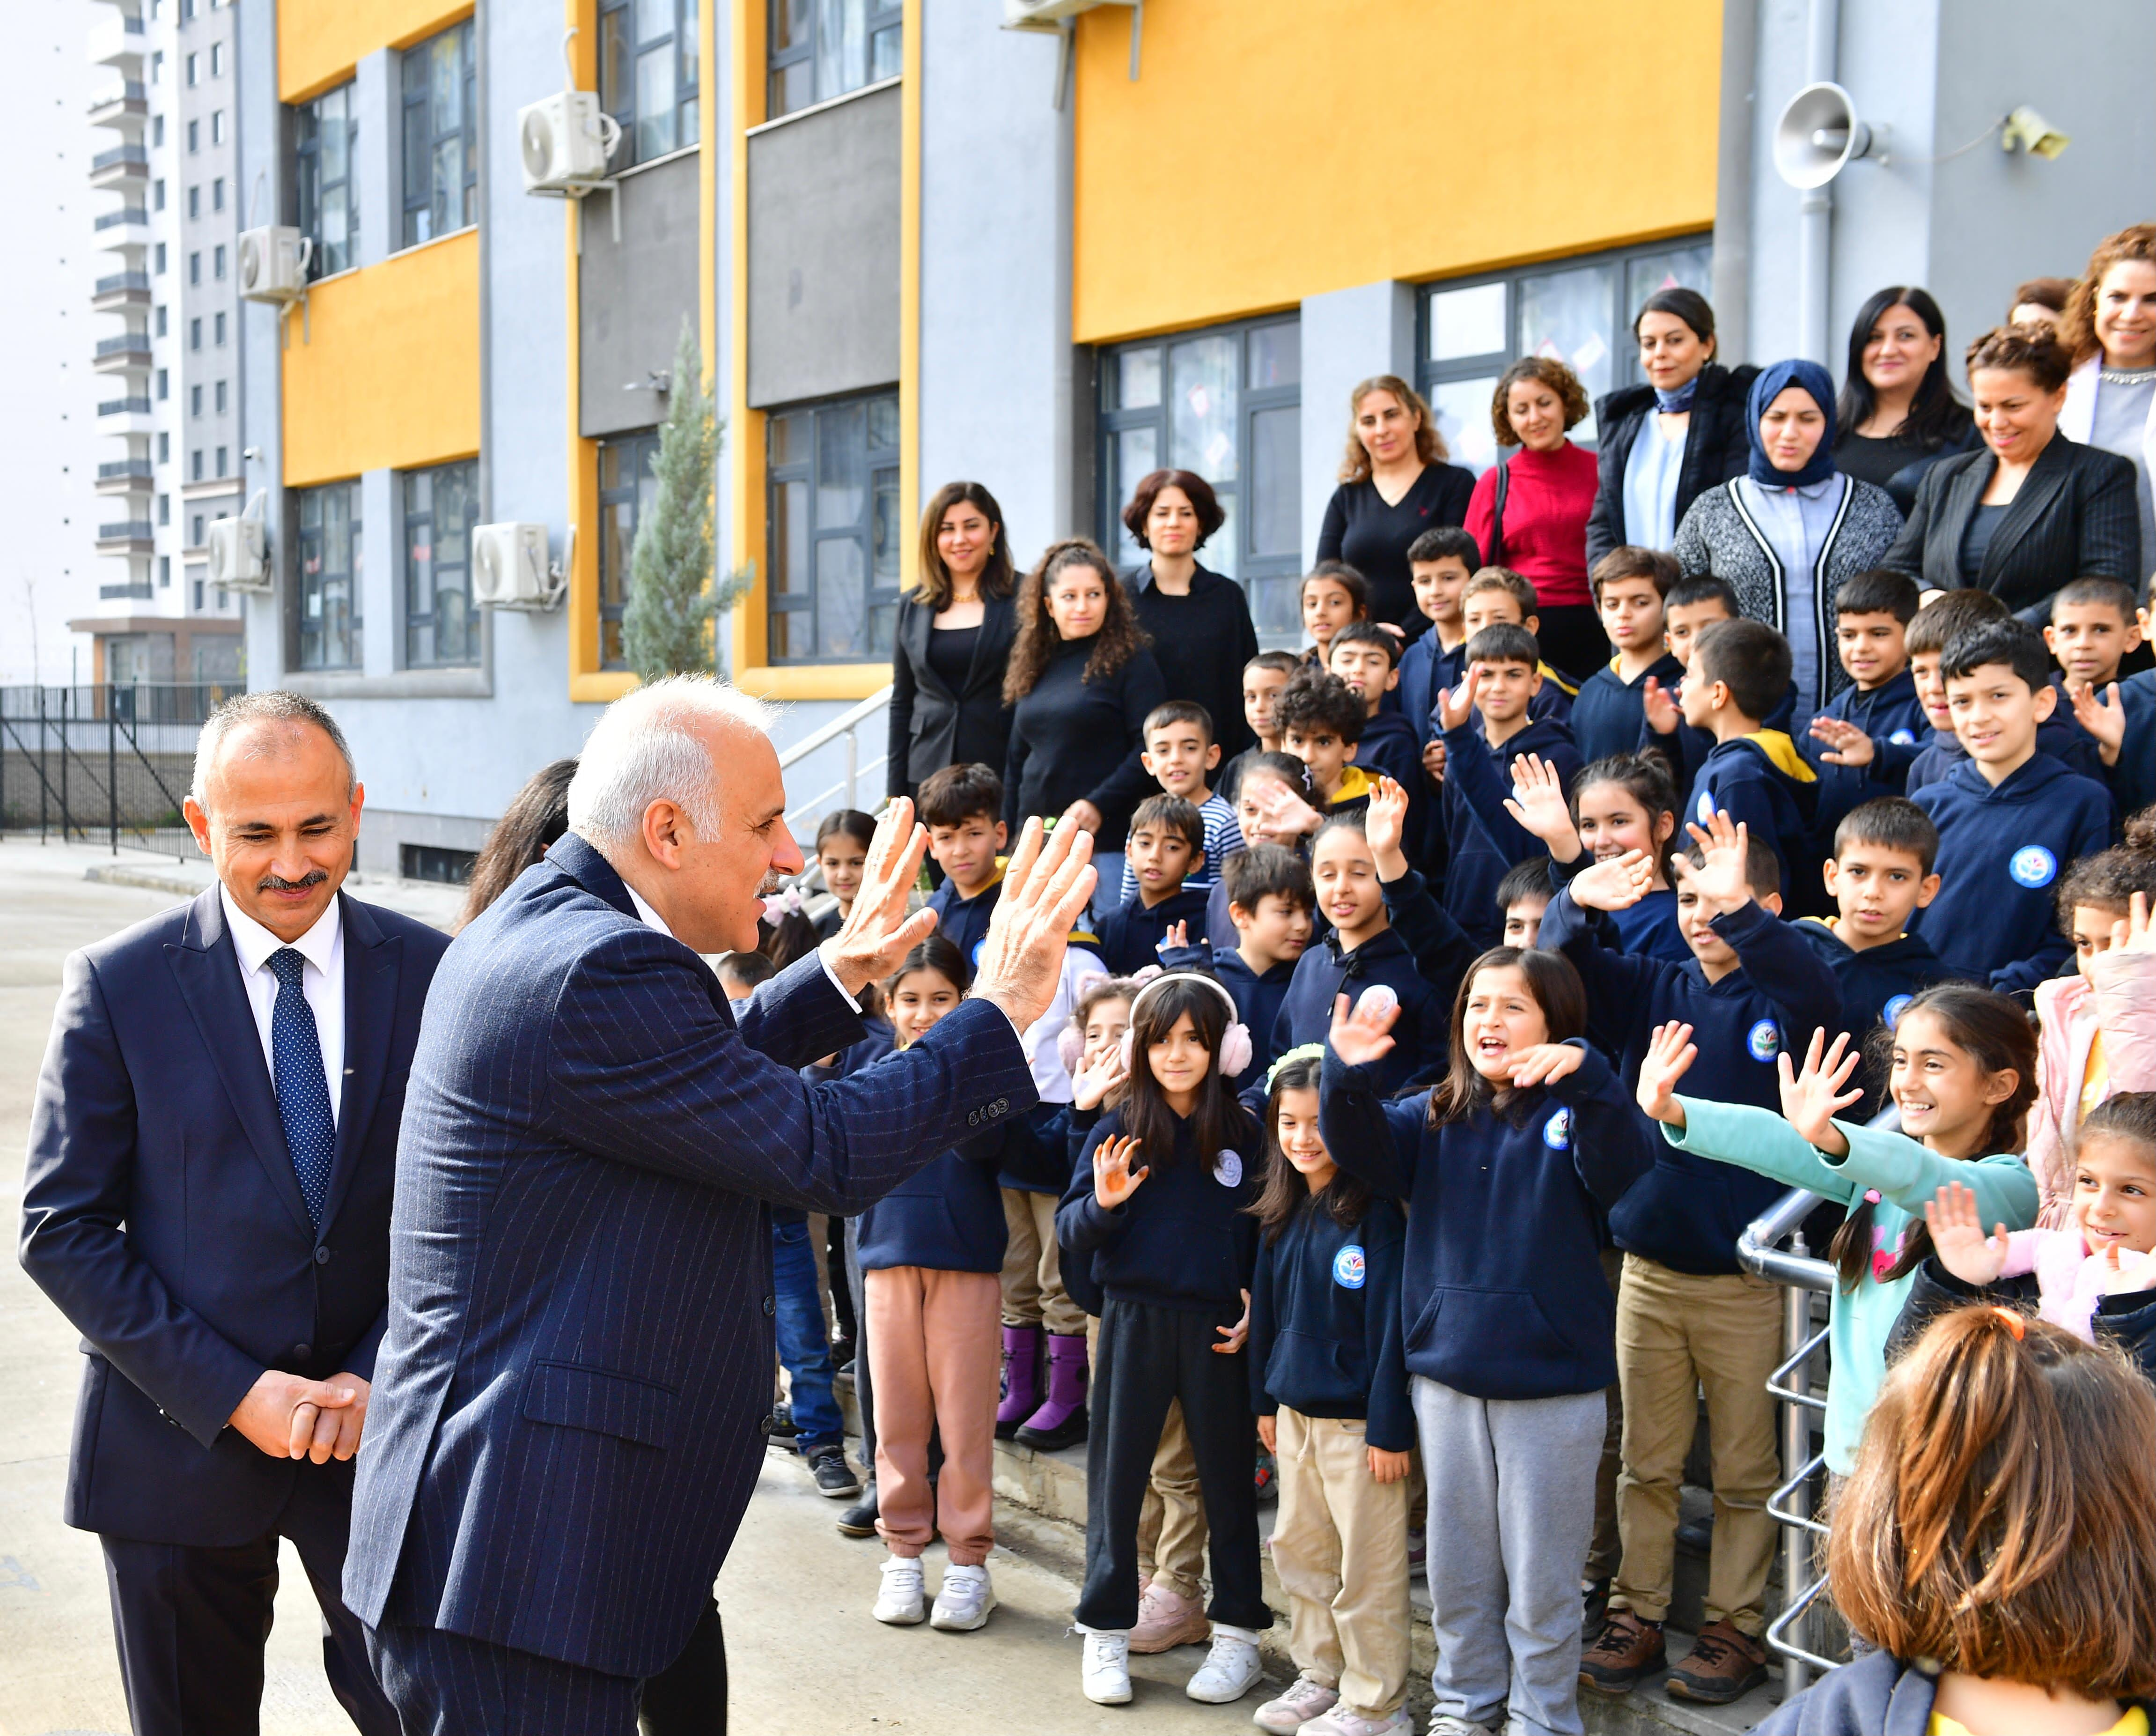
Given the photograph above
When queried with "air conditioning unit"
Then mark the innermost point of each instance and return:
(240, 555)
(273, 263)
(1048, 14)
(565, 139)
(510, 569)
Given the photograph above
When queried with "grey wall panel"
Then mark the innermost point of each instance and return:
(635, 293)
(824, 251)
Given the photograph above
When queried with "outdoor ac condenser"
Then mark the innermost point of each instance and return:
(273, 263)
(510, 569)
(238, 554)
(566, 139)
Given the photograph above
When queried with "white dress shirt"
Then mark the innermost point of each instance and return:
(322, 982)
(651, 919)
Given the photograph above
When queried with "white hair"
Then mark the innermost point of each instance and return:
(648, 748)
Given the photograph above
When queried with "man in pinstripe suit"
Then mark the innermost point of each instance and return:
(564, 1426)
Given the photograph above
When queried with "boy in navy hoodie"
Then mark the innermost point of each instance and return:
(1321, 720)
(2010, 817)
(1688, 1318)
(1498, 596)
(1365, 656)
(1754, 773)
(1440, 562)
(1270, 902)
(1482, 839)
(1937, 623)
(1167, 843)
(1630, 585)
(1861, 742)
(2094, 627)
(962, 807)
(1693, 605)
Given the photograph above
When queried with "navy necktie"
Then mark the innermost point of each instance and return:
(303, 1088)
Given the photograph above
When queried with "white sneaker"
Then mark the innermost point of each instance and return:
(1231, 1669)
(1307, 1699)
(964, 1601)
(1447, 1723)
(1105, 1675)
(903, 1600)
(1341, 1722)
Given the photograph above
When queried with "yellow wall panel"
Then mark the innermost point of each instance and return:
(1274, 149)
(319, 42)
(390, 375)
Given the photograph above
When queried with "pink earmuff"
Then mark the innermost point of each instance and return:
(1070, 1045)
(1234, 1042)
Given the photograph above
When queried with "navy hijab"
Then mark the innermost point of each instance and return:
(1813, 379)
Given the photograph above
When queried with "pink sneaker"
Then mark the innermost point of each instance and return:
(1166, 1621)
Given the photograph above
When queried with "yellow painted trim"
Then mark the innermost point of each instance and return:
(320, 43)
(912, 27)
(601, 686)
(707, 230)
(745, 454)
(814, 681)
(588, 682)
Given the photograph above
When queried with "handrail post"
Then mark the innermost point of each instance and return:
(853, 762)
(1796, 1451)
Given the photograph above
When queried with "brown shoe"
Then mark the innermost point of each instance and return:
(1726, 1664)
(1627, 1649)
(1166, 1621)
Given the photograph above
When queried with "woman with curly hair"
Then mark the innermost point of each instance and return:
(1529, 512)
(1080, 681)
(2109, 331)
(1394, 485)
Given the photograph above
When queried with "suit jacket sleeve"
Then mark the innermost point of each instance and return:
(646, 1070)
(76, 1197)
(798, 1016)
(1906, 555)
(898, 750)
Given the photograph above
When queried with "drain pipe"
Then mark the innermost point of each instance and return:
(1816, 206)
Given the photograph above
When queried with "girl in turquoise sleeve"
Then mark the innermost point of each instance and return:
(1963, 1075)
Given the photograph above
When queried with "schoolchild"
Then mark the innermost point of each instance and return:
(1630, 586)
(2094, 629)
(1996, 1541)
(1182, 757)
(1862, 741)
(962, 806)
(1962, 1073)
(2010, 817)
(1617, 806)
(1321, 720)
(931, 1252)
(1273, 805)
(1497, 596)
(1523, 895)
(1263, 677)
(1442, 562)
(1692, 606)
(1166, 844)
(1365, 657)
(842, 854)
(1329, 1382)
(1270, 899)
(1510, 1337)
(1754, 773)
(1942, 619)
(1155, 1218)
(1689, 1318)
(1334, 594)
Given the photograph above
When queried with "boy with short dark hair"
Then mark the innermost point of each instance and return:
(1181, 754)
(962, 807)
(1263, 677)
(1321, 720)
(1870, 729)
(1365, 657)
(2094, 629)
(1630, 586)
(1942, 619)
(1754, 774)
(1496, 595)
(1523, 895)
(1440, 561)
(1270, 903)
(2010, 816)
(1692, 606)
(1167, 843)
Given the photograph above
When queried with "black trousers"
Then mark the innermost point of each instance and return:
(191, 1622)
(1146, 1357)
(1572, 640)
(689, 1697)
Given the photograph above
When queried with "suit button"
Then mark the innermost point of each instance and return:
(301, 1353)
(322, 1256)
(770, 1305)
(972, 1118)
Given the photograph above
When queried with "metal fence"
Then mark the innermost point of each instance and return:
(104, 763)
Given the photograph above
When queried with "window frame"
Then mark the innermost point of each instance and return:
(880, 481)
(313, 194)
(425, 624)
(883, 22)
(311, 646)
(419, 205)
(686, 123)
(641, 446)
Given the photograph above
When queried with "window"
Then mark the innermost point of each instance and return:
(441, 154)
(221, 464)
(164, 384)
(164, 448)
(194, 400)
(834, 530)
(164, 571)
(195, 542)
(194, 267)
(164, 509)
(1578, 311)
(322, 132)
(821, 51)
(441, 627)
(194, 68)
(195, 464)
(157, 195)
(220, 330)
(194, 136)
(217, 126)
(220, 409)
(199, 590)
(648, 75)
(160, 259)
(328, 599)
(161, 321)
(157, 67)
(627, 488)
(1227, 403)
(194, 334)
(194, 203)
(217, 60)
(216, 254)
(217, 195)
(433, 862)
(156, 132)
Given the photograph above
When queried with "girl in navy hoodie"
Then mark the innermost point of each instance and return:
(1155, 1237)
(931, 1253)
(1619, 804)
(1509, 1168)
(1332, 1394)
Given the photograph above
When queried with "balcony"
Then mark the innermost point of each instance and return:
(135, 591)
(122, 289)
(131, 350)
(122, 106)
(131, 215)
(123, 230)
(123, 168)
(127, 416)
(130, 535)
(126, 476)
(117, 42)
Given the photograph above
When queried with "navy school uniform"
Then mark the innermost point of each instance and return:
(1131, 937)
(964, 922)
(1483, 841)
(1425, 666)
(1893, 716)
(1326, 1334)
(1502, 1290)
(1877, 982)
(1391, 746)
(1609, 712)
(1649, 928)
(1685, 749)
(1257, 998)
(2058, 735)
(2001, 851)
(1762, 783)
(2133, 778)
(1689, 1212)
(947, 1216)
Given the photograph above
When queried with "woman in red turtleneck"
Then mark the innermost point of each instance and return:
(1541, 533)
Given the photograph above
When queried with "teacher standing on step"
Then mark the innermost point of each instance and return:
(566, 1424)
(1394, 485)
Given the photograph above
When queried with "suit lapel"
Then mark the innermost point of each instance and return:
(207, 970)
(920, 623)
(994, 611)
(371, 962)
(1963, 495)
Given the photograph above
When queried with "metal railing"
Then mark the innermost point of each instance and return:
(124, 407)
(134, 342)
(131, 156)
(123, 280)
(846, 726)
(126, 213)
(130, 467)
(113, 759)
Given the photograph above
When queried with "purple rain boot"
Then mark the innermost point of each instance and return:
(1021, 1379)
(1061, 1421)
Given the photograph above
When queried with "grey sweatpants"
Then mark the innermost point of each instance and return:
(1511, 1507)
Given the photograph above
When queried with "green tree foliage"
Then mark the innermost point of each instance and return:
(666, 623)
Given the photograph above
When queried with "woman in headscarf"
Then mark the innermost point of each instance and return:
(1789, 531)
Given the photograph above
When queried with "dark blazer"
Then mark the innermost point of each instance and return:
(1718, 446)
(931, 726)
(2076, 516)
(565, 1430)
(161, 1214)
(1201, 643)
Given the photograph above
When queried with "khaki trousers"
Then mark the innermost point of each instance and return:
(934, 1363)
(1679, 1335)
(1340, 1546)
(1033, 1273)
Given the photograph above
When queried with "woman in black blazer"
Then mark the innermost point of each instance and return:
(953, 638)
(1394, 485)
(2029, 511)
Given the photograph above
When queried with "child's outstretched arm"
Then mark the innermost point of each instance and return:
(1440, 947)
(1618, 982)
(1754, 1139)
(1371, 1139)
(1474, 774)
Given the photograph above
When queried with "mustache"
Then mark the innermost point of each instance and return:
(770, 883)
(278, 883)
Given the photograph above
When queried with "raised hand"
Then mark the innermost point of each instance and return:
(1177, 937)
(2106, 721)
(1537, 804)
(1846, 745)
(2134, 934)
(1614, 882)
(1283, 816)
(1364, 1036)
(1661, 706)
(1958, 1236)
(1456, 705)
(1047, 884)
(2126, 1273)
(1114, 1180)
(1433, 761)
(1090, 1086)
(1721, 881)
(1669, 1057)
(1383, 824)
(1812, 1098)
(1233, 1338)
(1545, 1064)
(877, 933)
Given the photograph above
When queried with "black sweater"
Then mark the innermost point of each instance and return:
(1718, 446)
(1325, 1321)
(1374, 538)
(1073, 739)
(1131, 934)
(1201, 643)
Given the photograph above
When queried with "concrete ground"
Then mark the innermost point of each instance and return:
(805, 1655)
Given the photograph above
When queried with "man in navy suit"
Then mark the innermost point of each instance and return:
(211, 1151)
(568, 1424)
